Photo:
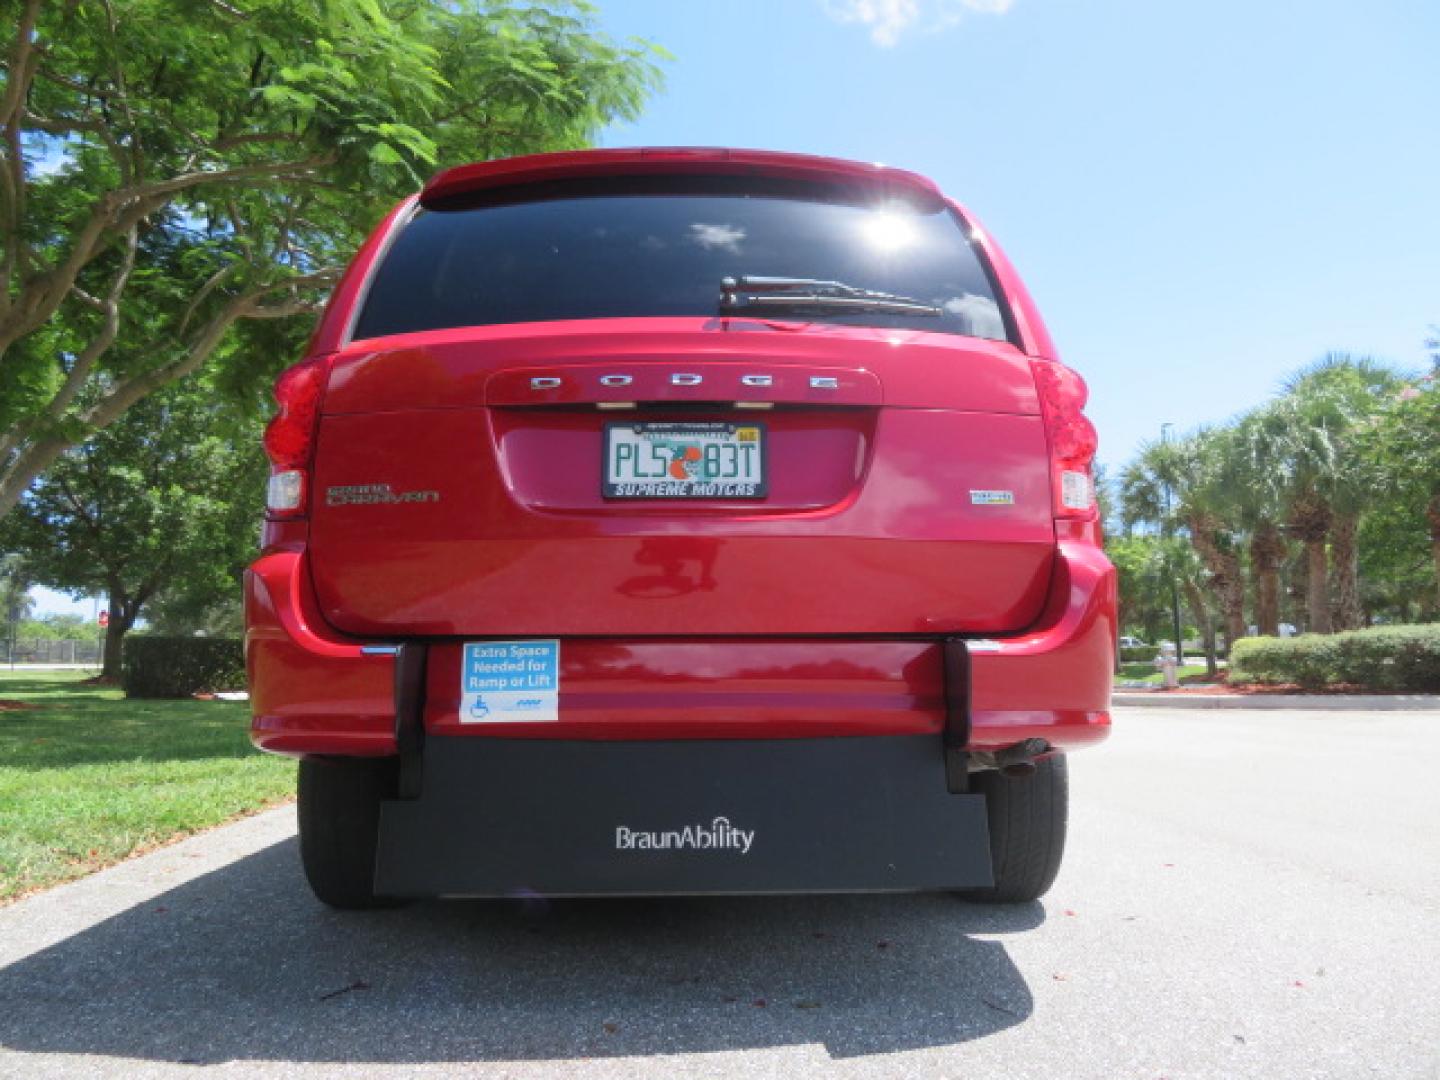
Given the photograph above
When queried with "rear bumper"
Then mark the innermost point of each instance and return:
(315, 691)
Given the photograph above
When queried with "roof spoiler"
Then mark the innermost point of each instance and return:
(454, 184)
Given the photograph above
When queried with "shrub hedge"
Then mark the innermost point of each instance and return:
(1380, 658)
(176, 667)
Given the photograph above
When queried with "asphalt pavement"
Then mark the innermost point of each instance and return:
(1246, 894)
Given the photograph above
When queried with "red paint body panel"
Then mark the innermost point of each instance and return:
(862, 560)
(311, 690)
(520, 540)
(314, 692)
(470, 367)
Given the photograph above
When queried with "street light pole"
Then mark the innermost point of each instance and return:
(1174, 589)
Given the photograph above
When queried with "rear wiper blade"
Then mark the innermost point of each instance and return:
(786, 292)
(830, 301)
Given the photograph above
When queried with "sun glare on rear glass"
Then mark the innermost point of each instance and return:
(888, 231)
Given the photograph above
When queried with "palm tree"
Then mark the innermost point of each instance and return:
(1189, 469)
(1330, 482)
(1253, 477)
(1182, 564)
(1313, 451)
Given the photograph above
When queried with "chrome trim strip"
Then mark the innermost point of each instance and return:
(544, 382)
(380, 650)
(824, 382)
(680, 379)
(757, 380)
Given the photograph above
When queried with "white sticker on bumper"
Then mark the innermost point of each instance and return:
(510, 681)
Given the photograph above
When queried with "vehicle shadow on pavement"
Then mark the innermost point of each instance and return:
(244, 964)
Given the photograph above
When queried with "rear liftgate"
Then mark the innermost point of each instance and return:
(481, 816)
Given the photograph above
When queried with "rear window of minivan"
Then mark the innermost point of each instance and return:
(660, 246)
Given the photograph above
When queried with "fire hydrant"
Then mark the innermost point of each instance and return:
(1168, 665)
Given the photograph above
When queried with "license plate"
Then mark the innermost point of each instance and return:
(676, 460)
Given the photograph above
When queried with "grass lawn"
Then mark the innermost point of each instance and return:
(1146, 672)
(87, 777)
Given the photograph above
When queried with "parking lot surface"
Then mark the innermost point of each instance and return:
(1245, 894)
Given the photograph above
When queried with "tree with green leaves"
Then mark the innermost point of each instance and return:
(1177, 485)
(171, 170)
(1185, 568)
(1398, 569)
(1149, 566)
(1330, 485)
(1253, 479)
(1144, 584)
(1403, 448)
(1345, 460)
(166, 499)
(55, 627)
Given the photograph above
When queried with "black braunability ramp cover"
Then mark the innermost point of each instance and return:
(524, 817)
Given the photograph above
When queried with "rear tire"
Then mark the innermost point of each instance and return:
(1027, 830)
(339, 814)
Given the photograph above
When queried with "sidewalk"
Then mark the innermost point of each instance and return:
(1164, 699)
(6, 666)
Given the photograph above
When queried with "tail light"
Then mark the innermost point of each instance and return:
(1072, 438)
(290, 438)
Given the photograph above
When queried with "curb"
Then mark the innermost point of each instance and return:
(1367, 702)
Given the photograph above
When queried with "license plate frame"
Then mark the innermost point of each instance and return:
(697, 434)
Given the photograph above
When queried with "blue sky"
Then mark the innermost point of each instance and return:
(1201, 196)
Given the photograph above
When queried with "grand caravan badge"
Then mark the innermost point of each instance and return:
(375, 495)
(992, 498)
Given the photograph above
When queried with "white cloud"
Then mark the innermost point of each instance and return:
(980, 314)
(888, 20)
(710, 237)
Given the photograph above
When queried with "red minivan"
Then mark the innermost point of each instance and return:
(680, 521)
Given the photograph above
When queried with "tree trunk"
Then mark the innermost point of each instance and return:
(1295, 590)
(1432, 515)
(1317, 591)
(110, 657)
(1345, 573)
(1267, 551)
(1201, 611)
(122, 618)
(1227, 579)
(1311, 520)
